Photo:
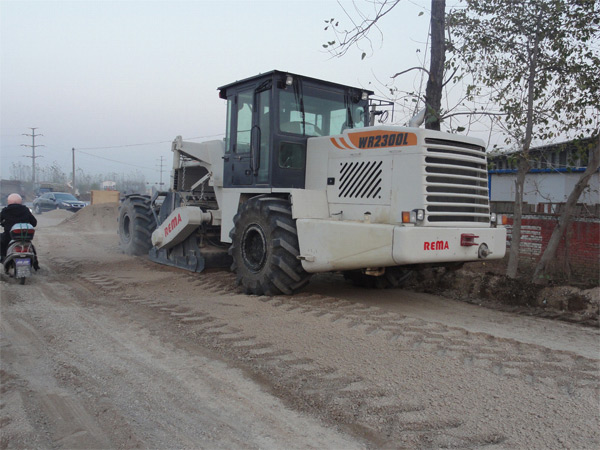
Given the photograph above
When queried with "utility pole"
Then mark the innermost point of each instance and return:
(73, 178)
(33, 146)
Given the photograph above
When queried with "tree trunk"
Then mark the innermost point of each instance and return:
(523, 167)
(515, 241)
(539, 276)
(433, 92)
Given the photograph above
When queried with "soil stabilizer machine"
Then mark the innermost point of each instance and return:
(302, 184)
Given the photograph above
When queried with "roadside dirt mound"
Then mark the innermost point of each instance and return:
(97, 218)
(495, 291)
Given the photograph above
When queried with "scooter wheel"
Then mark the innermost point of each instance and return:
(22, 280)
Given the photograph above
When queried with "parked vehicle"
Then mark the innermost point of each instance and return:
(20, 255)
(57, 200)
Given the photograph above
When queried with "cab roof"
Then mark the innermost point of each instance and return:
(281, 74)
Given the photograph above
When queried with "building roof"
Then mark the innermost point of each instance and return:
(568, 156)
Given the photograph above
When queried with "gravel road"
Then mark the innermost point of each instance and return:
(103, 350)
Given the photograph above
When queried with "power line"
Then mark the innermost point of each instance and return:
(147, 143)
(124, 145)
(204, 137)
(113, 160)
(80, 150)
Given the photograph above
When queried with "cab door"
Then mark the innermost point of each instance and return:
(240, 116)
(248, 138)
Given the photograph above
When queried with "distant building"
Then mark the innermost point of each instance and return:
(109, 185)
(555, 170)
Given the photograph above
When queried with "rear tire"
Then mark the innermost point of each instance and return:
(136, 224)
(22, 280)
(265, 248)
(394, 277)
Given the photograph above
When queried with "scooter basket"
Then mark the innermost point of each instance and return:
(22, 232)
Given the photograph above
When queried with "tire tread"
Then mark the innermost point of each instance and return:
(283, 272)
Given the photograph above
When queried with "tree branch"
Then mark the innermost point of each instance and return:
(470, 113)
(408, 70)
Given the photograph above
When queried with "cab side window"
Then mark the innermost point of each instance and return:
(228, 137)
(244, 121)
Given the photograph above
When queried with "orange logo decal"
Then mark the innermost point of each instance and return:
(375, 139)
(382, 139)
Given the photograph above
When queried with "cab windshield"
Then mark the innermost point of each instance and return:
(318, 112)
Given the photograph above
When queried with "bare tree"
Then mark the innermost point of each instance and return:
(362, 29)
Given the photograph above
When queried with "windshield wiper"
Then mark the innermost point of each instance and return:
(349, 120)
(300, 100)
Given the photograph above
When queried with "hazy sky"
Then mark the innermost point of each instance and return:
(95, 74)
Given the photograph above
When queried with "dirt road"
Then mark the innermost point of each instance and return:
(102, 350)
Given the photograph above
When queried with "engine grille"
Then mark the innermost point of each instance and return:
(360, 179)
(456, 182)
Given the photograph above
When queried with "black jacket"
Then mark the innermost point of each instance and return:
(13, 214)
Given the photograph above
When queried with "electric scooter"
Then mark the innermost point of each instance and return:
(20, 254)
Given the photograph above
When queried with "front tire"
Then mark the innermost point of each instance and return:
(136, 224)
(265, 248)
(37, 209)
(394, 277)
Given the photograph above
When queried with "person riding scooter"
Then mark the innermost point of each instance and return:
(12, 214)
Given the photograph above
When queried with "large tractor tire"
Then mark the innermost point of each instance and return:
(265, 248)
(136, 224)
(394, 277)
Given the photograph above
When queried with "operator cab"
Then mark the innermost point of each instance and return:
(270, 118)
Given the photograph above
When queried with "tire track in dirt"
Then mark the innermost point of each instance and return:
(354, 401)
(349, 401)
(473, 349)
(73, 425)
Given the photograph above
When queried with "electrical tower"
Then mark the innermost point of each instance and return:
(161, 172)
(33, 156)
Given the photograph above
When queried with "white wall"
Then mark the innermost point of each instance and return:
(544, 188)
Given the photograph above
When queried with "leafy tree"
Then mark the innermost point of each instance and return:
(539, 59)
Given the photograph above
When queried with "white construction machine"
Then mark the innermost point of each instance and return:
(302, 184)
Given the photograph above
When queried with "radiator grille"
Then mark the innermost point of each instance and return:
(360, 179)
(456, 182)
